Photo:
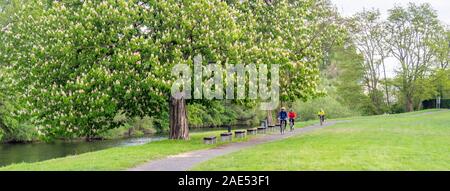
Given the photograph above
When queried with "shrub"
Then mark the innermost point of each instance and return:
(219, 113)
(196, 113)
(135, 126)
(333, 109)
(161, 121)
(21, 133)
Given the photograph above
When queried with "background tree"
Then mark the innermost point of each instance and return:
(440, 46)
(349, 78)
(342, 77)
(368, 35)
(299, 31)
(410, 29)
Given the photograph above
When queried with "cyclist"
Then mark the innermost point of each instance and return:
(292, 115)
(321, 115)
(282, 117)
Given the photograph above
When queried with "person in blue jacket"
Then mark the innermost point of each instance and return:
(282, 117)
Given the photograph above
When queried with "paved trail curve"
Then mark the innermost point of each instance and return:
(185, 161)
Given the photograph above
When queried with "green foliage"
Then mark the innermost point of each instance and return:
(294, 34)
(420, 23)
(439, 44)
(196, 113)
(7, 10)
(21, 133)
(135, 126)
(219, 113)
(78, 64)
(11, 128)
(342, 78)
(426, 86)
(333, 109)
(441, 79)
(68, 73)
(347, 78)
(161, 119)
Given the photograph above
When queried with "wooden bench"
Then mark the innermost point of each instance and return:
(252, 131)
(261, 130)
(239, 133)
(226, 136)
(209, 140)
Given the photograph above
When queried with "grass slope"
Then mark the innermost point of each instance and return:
(412, 141)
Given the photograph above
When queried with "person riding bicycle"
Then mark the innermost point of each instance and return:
(321, 115)
(282, 117)
(292, 115)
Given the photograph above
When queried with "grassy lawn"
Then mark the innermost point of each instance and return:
(412, 141)
(121, 158)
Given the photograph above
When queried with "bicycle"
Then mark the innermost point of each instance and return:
(322, 119)
(291, 124)
(282, 126)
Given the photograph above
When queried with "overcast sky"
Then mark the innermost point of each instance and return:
(350, 7)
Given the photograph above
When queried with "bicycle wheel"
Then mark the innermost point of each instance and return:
(281, 127)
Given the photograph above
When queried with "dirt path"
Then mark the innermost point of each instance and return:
(185, 161)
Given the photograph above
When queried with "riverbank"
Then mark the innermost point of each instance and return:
(35, 152)
(125, 132)
(40, 151)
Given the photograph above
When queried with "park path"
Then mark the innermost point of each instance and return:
(185, 161)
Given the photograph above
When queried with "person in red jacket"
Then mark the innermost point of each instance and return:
(292, 115)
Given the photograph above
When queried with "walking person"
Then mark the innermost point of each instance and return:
(282, 117)
(321, 115)
(292, 115)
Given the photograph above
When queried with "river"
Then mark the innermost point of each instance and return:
(33, 152)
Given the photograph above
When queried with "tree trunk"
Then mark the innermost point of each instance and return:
(178, 119)
(375, 100)
(386, 88)
(419, 105)
(409, 104)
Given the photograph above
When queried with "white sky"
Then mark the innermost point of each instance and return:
(350, 7)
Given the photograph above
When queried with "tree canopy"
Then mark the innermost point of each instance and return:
(76, 65)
